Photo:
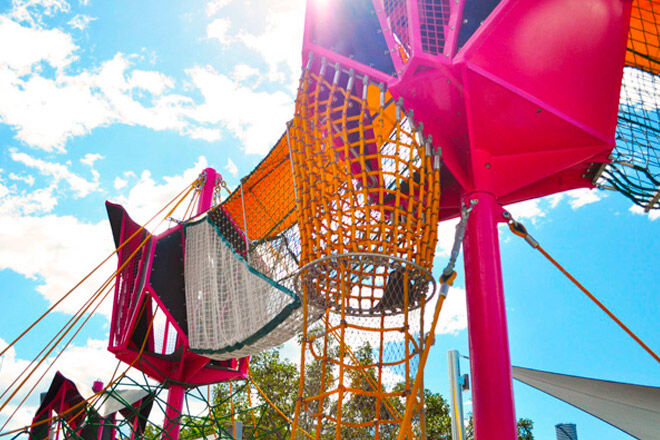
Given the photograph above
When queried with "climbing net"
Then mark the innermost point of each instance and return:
(635, 167)
(131, 410)
(368, 189)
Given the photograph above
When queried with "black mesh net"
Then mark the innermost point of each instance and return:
(635, 167)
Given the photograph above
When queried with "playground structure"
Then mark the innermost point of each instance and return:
(408, 113)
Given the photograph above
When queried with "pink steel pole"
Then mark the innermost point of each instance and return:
(176, 393)
(172, 426)
(206, 197)
(490, 364)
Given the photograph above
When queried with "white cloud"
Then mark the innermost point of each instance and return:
(243, 72)
(80, 186)
(215, 5)
(47, 112)
(16, 202)
(577, 198)
(206, 134)
(154, 82)
(529, 209)
(256, 118)
(654, 214)
(391, 378)
(583, 196)
(120, 183)
(36, 45)
(634, 94)
(89, 159)
(147, 195)
(231, 167)
(219, 29)
(27, 179)
(453, 316)
(56, 252)
(291, 350)
(280, 42)
(32, 11)
(554, 199)
(446, 233)
(80, 21)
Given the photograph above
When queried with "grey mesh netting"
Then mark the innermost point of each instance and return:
(237, 309)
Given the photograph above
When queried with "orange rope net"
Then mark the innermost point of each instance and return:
(644, 37)
(368, 189)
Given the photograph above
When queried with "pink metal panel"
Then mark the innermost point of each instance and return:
(566, 53)
(505, 100)
(435, 91)
(480, 101)
(454, 27)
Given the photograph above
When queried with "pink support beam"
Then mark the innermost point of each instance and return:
(490, 364)
(206, 197)
(171, 426)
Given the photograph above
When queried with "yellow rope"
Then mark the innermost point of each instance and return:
(94, 398)
(51, 308)
(405, 429)
(270, 402)
(518, 229)
(81, 312)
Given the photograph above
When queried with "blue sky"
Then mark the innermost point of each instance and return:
(129, 101)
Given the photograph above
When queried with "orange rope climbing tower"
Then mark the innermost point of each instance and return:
(368, 188)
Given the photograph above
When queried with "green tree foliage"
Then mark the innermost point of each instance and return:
(437, 415)
(525, 427)
(278, 378)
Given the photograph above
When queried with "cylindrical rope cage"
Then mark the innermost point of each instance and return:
(368, 189)
(367, 179)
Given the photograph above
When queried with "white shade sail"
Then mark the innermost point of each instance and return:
(634, 409)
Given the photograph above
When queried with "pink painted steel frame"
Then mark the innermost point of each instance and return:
(518, 115)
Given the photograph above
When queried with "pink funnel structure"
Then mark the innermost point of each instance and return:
(521, 95)
(149, 324)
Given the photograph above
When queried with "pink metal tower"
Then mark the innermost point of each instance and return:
(149, 324)
(522, 97)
